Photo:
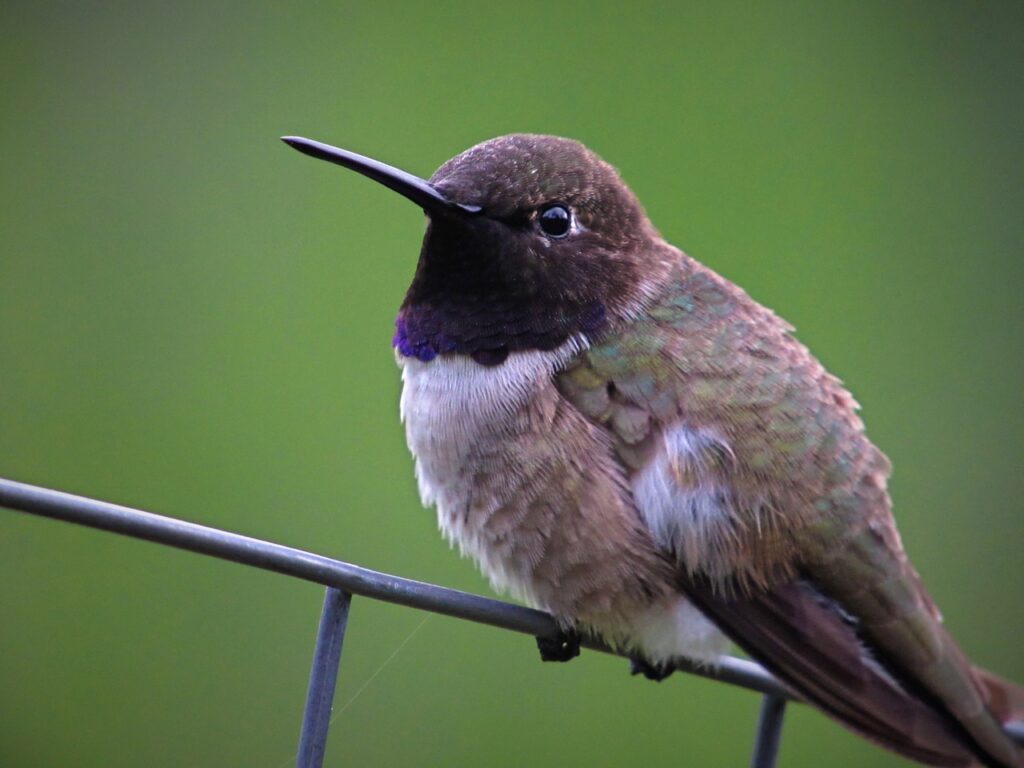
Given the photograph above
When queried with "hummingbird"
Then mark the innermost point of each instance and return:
(623, 438)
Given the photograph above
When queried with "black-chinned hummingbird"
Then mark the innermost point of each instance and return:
(623, 438)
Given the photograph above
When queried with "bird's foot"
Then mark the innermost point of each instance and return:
(564, 646)
(656, 672)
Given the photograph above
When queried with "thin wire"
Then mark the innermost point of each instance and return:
(370, 679)
(380, 669)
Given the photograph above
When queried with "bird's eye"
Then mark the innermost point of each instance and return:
(555, 220)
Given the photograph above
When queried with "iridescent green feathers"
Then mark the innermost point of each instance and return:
(783, 436)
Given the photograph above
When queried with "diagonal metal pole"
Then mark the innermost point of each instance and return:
(269, 556)
(769, 731)
(322, 678)
(352, 579)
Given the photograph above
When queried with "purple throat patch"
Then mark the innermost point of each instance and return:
(424, 332)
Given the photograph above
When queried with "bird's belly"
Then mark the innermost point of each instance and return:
(491, 456)
(464, 426)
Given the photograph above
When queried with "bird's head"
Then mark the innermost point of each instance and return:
(531, 240)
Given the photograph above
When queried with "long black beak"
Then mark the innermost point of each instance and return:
(405, 184)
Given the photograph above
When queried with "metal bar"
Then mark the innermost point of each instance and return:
(351, 578)
(272, 557)
(769, 731)
(332, 573)
(322, 678)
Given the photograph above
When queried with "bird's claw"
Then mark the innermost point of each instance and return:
(655, 672)
(564, 646)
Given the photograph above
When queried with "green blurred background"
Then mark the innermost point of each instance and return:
(196, 320)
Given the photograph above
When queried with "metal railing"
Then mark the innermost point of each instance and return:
(343, 580)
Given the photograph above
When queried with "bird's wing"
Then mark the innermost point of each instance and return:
(749, 463)
(798, 635)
